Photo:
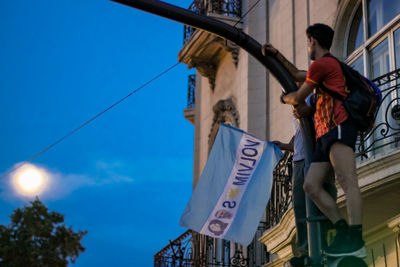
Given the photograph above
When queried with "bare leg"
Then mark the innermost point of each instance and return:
(317, 175)
(343, 162)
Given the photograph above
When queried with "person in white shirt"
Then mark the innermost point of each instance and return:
(296, 145)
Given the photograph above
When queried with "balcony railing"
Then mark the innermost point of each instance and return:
(386, 135)
(281, 193)
(230, 8)
(192, 249)
(191, 90)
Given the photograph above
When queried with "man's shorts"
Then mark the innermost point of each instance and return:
(345, 133)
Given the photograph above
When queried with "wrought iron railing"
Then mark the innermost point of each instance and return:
(386, 134)
(192, 249)
(177, 253)
(257, 254)
(191, 90)
(230, 8)
(281, 193)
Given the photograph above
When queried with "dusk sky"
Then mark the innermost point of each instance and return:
(127, 176)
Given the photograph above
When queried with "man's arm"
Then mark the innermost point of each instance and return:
(302, 110)
(299, 96)
(298, 75)
(287, 147)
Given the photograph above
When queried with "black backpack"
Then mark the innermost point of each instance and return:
(362, 103)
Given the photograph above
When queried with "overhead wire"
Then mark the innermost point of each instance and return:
(89, 121)
(107, 109)
(247, 12)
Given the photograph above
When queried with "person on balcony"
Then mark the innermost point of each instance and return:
(296, 145)
(336, 136)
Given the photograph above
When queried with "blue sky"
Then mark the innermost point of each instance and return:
(127, 176)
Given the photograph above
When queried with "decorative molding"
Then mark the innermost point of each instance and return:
(382, 231)
(207, 68)
(394, 224)
(229, 47)
(204, 50)
(341, 25)
(224, 112)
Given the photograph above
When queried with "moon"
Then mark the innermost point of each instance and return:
(30, 180)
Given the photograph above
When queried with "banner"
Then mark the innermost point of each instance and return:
(234, 188)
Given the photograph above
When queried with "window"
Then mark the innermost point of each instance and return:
(379, 58)
(356, 34)
(358, 65)
(397, 47)
(381, 41)
(380, 12)
(373, 49)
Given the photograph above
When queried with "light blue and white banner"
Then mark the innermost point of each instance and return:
(234, 188)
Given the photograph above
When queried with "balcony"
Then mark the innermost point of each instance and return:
(385, 137)
(189, 112)
(194, 249)
(213, 8)
(203, 50)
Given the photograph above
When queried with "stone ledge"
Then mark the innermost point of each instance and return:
(189, 114)
(376, 173)
(278, 238)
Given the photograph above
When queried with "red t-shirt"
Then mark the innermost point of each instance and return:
(327, 70)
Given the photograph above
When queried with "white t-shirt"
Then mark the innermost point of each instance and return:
(298, 144)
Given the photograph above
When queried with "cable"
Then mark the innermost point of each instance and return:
(89, 121)
(107, 109)
(245, 14)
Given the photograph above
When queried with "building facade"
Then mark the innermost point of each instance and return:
(231, 87)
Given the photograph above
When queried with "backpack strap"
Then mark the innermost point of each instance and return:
(330, 92)
(326, 89)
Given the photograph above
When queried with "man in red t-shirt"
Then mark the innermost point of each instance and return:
(336, 136)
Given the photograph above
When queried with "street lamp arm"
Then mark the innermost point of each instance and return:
(218, 28)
